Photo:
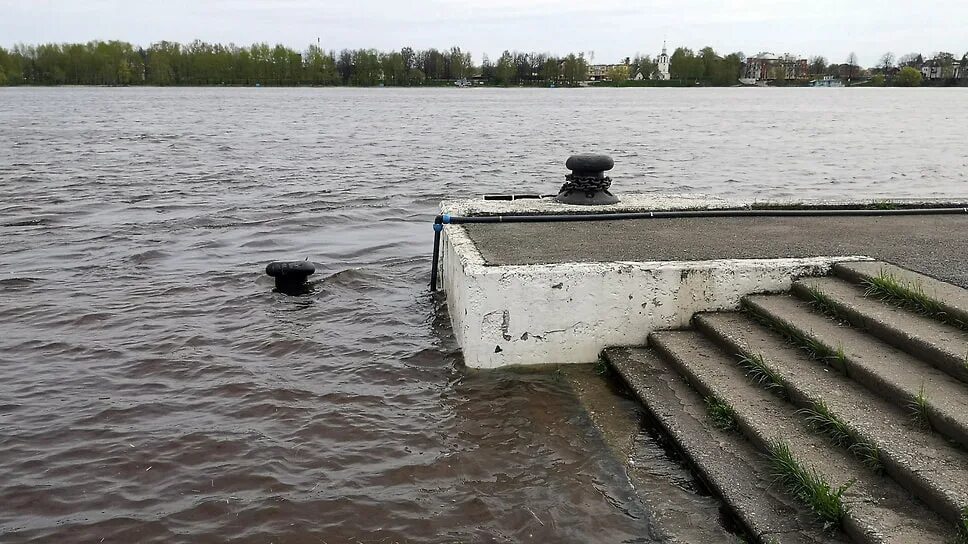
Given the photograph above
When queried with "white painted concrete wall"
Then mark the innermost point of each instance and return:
(567, 313)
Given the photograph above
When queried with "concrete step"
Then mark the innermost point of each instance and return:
(897, 376)
(878, 509)
(925, 463)
(944, 346)
(951, 299)
(729, 465)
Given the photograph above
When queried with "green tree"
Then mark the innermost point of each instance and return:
(908, 77)
(459, 63)
(394, 70)
(162, 58)
(487, 69)
(409, 63)
(366, 68)
(574, 69)
(643, 66)
(344, 66)
(320, 67)
(618, 73)
(947, 62)
(877, 80)
(685, 66)
(710, 62)
(504, 70)
(551, 70)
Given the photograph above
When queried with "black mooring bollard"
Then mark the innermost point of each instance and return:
(587, 183)
(291, 275)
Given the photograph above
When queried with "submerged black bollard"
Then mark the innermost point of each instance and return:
(587, 183)
(291, 275)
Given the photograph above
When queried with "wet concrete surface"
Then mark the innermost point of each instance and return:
(936, 245)
(730, 465)
(680, 508)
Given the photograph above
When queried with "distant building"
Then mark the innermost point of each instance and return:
(769, 67)
(935, 69)
(662, 65)
(599, 72)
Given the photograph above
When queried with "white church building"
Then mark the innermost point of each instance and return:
(662, 63)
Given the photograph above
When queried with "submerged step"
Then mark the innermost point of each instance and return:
(876, 508)
(731, 467)
(899, 377)
(950, 299)
(881, 433)
(944, 346)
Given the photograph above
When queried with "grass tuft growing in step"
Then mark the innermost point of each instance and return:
(758, 371)
(911, 296)
(807, 484)
(815, 349)
(883, 205)
(919, 409)
(602, 367)
(962, 535)
(822, 420)
(823, 303)
(722, 414)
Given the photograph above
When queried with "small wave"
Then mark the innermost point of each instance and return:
(148, 256)
(354, 278)
(12, 284)
(28, 222)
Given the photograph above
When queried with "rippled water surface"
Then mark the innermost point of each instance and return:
(153, 388)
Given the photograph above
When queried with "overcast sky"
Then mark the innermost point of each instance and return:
(612, 29)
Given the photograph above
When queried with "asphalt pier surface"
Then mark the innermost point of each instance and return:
(936, 245)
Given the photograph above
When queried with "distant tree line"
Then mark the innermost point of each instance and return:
(706, 66)
(904, 71)
(514, 68)
(201, 63)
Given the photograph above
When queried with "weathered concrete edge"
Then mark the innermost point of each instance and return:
(637, 202)
(910, 338)
(952, 299)
(568, 313)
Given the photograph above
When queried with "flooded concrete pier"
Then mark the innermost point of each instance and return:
(558, 293)
(812, 370)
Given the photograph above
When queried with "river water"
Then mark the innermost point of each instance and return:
(153, 387)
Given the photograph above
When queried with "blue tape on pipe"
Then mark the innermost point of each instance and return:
(446, 218)
(438, 227)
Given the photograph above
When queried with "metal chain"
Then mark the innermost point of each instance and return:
(587, 185)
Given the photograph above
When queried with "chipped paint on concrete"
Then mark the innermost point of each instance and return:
(568, 312)
(631, 203)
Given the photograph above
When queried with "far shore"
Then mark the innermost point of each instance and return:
(590, 85)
